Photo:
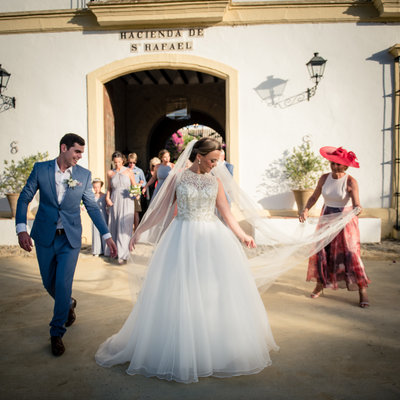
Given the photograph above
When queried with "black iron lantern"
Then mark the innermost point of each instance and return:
(316, 68)
(6, 102)
(4, 77)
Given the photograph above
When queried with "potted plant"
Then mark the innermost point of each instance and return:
(14, 176)
(302, 167)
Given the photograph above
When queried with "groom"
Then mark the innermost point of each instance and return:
(57, 228)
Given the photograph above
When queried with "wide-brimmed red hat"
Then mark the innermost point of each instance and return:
(340, 156)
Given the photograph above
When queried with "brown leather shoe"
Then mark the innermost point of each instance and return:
(57, 346)
(71, 315)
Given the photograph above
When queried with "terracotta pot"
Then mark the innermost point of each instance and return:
(301, 197)
(12, 200)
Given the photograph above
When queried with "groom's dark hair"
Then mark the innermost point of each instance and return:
(70, 139)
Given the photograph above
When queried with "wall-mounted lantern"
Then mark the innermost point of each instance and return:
(316, 69)
(6, 102)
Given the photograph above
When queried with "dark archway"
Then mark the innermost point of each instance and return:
(165, 127)
(139, 104)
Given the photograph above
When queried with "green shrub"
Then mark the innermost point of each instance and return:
(15, 174)
(303, 167)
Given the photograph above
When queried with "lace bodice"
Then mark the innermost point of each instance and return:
(196, 195)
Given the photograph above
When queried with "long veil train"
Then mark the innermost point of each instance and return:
(277, 251)
(198, 312)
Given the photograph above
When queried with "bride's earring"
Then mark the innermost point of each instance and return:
(199, 162)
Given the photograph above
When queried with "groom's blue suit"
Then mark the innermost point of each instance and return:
(57, 254)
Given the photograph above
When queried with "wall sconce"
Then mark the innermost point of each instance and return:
(316, 69)
(273, 88)
(6, 102)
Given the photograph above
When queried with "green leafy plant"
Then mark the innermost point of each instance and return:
(15, 174)
(302, 167)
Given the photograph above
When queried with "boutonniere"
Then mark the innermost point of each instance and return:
(135, 191)
(72, 183)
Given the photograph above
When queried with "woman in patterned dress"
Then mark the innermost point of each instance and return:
(338, 265)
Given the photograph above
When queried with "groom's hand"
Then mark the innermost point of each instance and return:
(25, 241)
(113, 248)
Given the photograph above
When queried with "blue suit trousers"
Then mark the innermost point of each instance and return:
(57, 267)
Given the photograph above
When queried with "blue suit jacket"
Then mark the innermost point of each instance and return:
(42, 178)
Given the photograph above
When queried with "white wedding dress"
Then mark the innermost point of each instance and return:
(199, 312)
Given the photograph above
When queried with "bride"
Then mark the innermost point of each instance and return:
(199, 312)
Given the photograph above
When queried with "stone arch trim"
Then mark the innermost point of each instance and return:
(97, 78)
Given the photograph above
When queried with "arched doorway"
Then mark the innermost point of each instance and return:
(143, 108)
(100, 145)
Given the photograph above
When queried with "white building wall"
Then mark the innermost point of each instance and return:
(352, 107)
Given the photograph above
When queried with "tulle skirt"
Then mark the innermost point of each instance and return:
(199, 312)
(339, 264)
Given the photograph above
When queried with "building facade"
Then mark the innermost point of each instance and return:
(110, 70)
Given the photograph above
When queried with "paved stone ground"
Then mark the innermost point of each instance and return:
(330, 348)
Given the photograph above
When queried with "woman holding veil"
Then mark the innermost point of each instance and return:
(339, 264)
(199, 312)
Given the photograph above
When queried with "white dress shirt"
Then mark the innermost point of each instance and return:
(61, 187)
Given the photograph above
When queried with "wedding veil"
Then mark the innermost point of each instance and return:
(276, 251)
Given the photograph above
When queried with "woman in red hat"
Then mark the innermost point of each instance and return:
(339, 264)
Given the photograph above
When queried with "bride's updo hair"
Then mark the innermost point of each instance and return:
(204, 146)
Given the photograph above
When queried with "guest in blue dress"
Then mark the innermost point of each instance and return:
(229, 166)
(149, 174)
(161, 172)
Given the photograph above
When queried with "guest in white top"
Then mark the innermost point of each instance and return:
(339, 264)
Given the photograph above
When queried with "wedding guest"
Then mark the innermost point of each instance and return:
(57, 229)
(227, 165)
(339, 264)
(150, 173)
(98, 243)
(121, 205)
(161, 172)
(140, 180)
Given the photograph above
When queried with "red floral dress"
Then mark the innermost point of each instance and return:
(339, 264)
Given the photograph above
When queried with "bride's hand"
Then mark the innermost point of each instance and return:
(132, 243)
(249, 242)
